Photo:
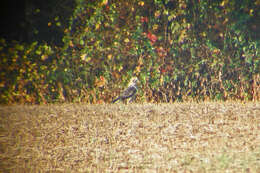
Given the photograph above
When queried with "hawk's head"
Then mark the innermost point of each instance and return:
(133, 81)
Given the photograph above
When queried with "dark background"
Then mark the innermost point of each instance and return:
(35, 20)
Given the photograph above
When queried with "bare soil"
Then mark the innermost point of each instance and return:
(179, 137)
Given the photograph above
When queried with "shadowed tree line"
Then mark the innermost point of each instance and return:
(35, 20)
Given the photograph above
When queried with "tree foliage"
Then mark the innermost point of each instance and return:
(180, 50)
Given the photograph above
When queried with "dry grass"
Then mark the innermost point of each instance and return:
(180, 137)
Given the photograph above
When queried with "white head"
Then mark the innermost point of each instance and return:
(133, 81)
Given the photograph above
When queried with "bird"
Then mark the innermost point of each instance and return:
(129, 92)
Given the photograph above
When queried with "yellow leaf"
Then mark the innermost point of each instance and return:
(83, 56)
(13, 60)
(21, 70)
(216, 51)
(120, 68)
(157, 13)
(155, 27)
(138, 69)
(104, 2)
(141, 3)
(97, 26)
(71, 44)
(109, 56)
(161, 80)
(126, 40)
(44, 57)
(2, 84)
(222, 4)
(251, 12)
(116, 43)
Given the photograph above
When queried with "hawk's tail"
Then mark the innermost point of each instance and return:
(115, 99)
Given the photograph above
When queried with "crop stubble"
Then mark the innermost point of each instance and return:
(191, 137)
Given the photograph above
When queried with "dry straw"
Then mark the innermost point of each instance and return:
(181, 137)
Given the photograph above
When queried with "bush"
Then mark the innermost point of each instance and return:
(180, 50)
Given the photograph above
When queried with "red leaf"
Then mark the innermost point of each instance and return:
(152, 37)
(144, 19)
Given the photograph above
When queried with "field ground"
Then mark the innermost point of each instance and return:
(179, 137)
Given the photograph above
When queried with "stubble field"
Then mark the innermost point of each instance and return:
(179, 137)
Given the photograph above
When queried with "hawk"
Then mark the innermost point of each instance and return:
(129, 92)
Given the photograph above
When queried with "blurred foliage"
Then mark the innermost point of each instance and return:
(26, 72)
(180, 50)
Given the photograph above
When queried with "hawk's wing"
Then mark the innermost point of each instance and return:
(129, 92)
